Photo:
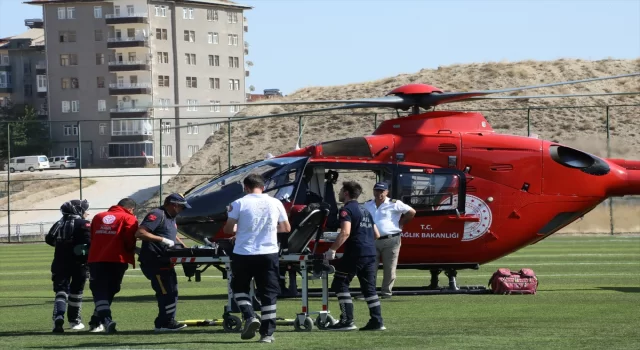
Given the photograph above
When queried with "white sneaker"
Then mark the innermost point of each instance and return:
(98, 329)
(76, 326)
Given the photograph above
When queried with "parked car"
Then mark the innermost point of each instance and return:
(62, 162)
(31, 163)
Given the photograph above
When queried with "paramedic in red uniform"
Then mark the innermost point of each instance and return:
(114, 235)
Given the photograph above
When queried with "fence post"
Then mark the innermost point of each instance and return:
(528, 121)
(611, 225)
(161, 132)
(375, 121)
(9, 181)
(299, 131)
(80, 158)
(229, 143)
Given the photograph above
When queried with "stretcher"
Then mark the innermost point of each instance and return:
(295, 251)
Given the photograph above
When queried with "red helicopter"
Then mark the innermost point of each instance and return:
(479, 195)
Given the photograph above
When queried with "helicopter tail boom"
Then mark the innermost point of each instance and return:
(632, 184)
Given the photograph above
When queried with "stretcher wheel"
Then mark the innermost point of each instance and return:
(329, 320)
(232, 323)
(307, 326)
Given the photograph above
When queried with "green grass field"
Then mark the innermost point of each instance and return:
(589, 298)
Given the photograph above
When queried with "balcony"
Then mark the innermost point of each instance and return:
(6, 88)
(41, 68)
(129, 89)
(126, 18)
(127, 66)
(129, 112)
(137, 41)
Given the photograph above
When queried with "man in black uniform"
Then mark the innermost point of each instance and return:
(158, 231)
(71, 237)
(359, 233)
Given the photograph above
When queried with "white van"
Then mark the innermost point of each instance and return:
(62, 162)
(31, 163)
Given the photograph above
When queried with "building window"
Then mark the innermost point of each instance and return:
(62, 13)
(102, 105)
(214, 60)
(187, 13)
(127, 150)
(193, 149)
(164, 103)
(67, 36)
(102, 128)
(214, 83)
(215, 127)
(71, 12)
(192, 105)
(214, 108)
(97, 34)
(70, 130)
(161, 34)
(161, 11)
(212, 15)
(234, 62)
(234, 84)
(212, 38)
(130, 127)
(234, 109)
(97, 11)
(99, 58)
(64, 83)
(167, 150)
(190, 58)
(190, 36)
(69, 60)
(192, 82)
(75, 106)
(165, 128)
(104, 152)
(74, 83)
(163, 57)
(66, 106)
(233, 39)
(232, 17)
(163, 80)
(100, 82)
(42, 83)
(71, 151)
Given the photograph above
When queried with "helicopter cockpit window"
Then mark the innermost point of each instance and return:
(431, 192)
(352, 147)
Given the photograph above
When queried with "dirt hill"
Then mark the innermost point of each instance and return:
(580, 127)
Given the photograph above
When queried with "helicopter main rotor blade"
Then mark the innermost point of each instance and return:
(387, 101)
(426, 101)
(307, 111)
(550, 96)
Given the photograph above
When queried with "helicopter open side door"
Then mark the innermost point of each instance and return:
(438, 196)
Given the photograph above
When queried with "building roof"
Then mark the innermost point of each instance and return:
(36, 35)
(206, 2)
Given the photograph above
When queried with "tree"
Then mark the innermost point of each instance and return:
(28, 135)
(252, 88)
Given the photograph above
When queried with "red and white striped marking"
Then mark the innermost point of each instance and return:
(183, 260)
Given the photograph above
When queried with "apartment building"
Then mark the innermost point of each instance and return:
(114, 66)
(23, 79)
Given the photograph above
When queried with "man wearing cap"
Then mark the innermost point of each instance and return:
(389, 215)
(159, 231)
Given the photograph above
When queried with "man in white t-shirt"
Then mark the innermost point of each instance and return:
(389, 215)
(259, 218)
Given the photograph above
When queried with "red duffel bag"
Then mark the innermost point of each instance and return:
(505, 281)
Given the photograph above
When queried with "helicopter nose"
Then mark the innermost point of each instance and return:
(630, 179)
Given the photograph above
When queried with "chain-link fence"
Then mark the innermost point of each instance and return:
(131, 156)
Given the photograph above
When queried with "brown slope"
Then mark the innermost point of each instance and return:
(254, 139)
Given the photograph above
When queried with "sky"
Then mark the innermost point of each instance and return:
(295, 44)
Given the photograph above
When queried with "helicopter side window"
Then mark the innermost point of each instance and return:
(431, 192)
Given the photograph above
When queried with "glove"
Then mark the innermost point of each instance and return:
(330, 254)
(169, 243)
